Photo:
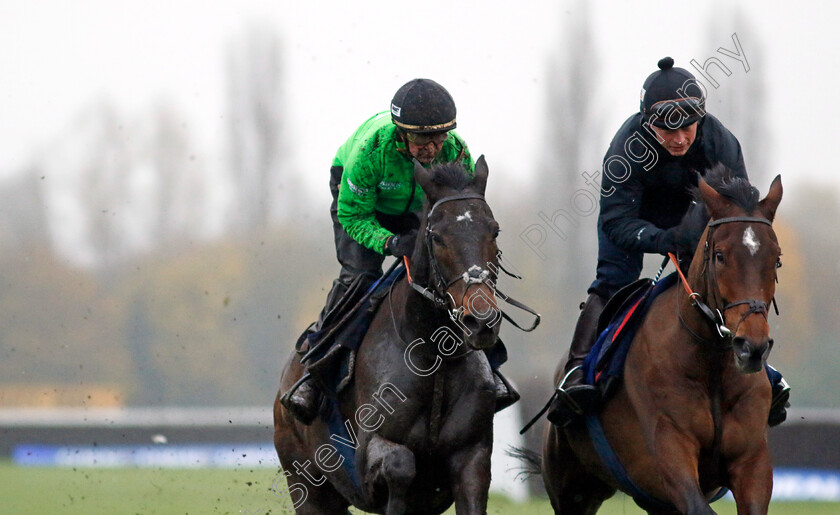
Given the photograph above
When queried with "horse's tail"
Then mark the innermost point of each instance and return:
(531, 462)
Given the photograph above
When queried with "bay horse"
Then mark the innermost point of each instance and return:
(691, 414)
(417, 429)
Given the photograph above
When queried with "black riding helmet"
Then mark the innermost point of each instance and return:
(671, 97)
(423, 106)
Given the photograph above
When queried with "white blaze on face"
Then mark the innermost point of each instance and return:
(466, 216)
(750, 241)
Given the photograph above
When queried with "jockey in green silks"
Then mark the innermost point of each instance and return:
(376, 203)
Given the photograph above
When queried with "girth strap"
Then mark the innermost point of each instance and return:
(610, 459)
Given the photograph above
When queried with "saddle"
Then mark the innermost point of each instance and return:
(329, 353)
(617, 325)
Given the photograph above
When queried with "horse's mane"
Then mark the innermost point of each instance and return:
(452, 175)
(737, 190)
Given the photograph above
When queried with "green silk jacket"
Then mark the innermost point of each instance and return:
(379, 176)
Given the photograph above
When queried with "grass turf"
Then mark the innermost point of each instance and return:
(42, 490)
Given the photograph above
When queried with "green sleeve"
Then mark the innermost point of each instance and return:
(357, 197)
(371, 157)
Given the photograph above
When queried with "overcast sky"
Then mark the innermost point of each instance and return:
(344, 60)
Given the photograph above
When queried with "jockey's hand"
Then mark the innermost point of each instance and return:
(684, 238)
(676, 241)
(400, 245)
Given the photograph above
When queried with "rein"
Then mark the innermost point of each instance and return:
(715, 317)
(405, 344)
(439, 293)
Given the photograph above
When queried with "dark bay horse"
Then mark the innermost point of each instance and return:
(691, 415)
(417, 429)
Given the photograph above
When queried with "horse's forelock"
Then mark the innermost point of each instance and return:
(737, 190)
(451, 175)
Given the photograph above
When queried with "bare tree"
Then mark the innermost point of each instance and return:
(567, 205)
(23, 223)
(739, 97)
(256, 124)
(561, 231)
(86, 187)
(181, 191)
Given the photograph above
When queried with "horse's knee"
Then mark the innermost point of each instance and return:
(391, 462)
(398, 467)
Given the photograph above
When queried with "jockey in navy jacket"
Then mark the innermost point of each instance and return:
(636, 211)
(646, 208)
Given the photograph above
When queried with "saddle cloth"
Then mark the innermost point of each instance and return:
(604, 365)
(330, 352)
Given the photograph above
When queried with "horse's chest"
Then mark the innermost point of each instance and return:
(451, 419)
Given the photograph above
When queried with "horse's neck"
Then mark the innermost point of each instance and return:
(415, 315)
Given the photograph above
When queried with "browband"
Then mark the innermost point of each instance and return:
(756, 219)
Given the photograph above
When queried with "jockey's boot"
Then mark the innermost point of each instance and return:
(506, 394)
(304, 397)
(780, 399)
(302, 400)
(574, 398)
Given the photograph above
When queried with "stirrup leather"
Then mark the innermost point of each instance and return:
(561, 385)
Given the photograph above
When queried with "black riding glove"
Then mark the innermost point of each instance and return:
(400, 245)
(682, 239)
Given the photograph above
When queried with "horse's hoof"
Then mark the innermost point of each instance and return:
(302, 402)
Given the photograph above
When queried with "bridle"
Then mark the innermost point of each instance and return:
(438, 292)
(715, 317)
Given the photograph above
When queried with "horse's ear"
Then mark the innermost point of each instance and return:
(481, 173)
(770, 203)
(423, 177)
(714, 201)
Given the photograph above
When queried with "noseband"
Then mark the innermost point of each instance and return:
(716, 317)
(439, 291)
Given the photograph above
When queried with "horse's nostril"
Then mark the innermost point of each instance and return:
(742, 348)
(749, 354)
(471, 323)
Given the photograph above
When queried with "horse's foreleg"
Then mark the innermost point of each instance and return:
(307, 491)
(751, 482)
(676, 455)
(394, 464)
(469, 470)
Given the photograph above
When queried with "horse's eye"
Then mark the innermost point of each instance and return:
(778, 262)
(436, 238)
(495, 231)
(719, 257)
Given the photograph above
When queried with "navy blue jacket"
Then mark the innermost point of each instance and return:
(637, 204)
